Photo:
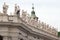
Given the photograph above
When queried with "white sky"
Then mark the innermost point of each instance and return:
(48, 11)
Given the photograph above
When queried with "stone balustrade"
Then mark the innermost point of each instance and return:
(39, 25)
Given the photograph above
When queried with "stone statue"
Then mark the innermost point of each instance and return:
(17, 10)
(5, 8)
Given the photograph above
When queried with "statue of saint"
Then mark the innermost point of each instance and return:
(5, 8)
(17, 10)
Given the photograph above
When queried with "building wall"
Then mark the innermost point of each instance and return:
(11, 31)
(59, 38)
(14, 33)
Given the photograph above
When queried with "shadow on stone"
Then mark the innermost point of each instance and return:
(1, 37)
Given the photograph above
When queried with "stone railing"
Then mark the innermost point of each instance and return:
(27, 18)
(40, 25)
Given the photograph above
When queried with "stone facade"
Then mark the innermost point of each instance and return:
(23, 27)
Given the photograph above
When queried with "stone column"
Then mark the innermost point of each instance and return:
(5, 38)
(14, 38)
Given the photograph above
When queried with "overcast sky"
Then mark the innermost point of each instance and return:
(48, 11)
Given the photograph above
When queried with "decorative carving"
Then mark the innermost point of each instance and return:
(24, 15)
